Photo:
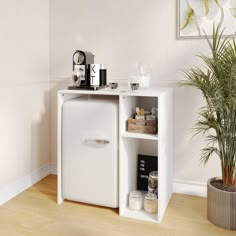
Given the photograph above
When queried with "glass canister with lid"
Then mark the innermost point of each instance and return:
(135, 200)
(150, 203)
(153, 182)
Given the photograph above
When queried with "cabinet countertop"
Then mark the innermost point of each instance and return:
(150, 92)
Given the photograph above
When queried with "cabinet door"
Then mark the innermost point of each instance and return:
(90, 151)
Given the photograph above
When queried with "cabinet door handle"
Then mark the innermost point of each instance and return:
(100, 141)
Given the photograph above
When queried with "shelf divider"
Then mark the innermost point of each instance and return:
(139, 136)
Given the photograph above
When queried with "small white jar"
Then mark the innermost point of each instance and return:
(135, 200)
(150, 203)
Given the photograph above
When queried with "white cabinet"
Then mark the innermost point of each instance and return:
(132, 144)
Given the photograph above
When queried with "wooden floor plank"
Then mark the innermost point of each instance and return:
(35, 212)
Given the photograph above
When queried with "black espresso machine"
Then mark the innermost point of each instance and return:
(87, 74)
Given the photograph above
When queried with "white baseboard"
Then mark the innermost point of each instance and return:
(190, 188)
(15, 188)
(179, 186)
(53, 168)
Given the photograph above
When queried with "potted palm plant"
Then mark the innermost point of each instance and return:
(217, 122)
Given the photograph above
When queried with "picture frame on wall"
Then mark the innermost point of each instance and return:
(194, 17)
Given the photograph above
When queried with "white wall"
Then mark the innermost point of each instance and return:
(24, 88)
(121, 33)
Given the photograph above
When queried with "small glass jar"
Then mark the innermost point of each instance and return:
(135, 200)
(153, 182)
(150, 203)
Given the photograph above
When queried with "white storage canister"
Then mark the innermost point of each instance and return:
(135, 200)
(150, 203)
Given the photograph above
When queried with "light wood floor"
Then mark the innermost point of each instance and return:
(35, 212)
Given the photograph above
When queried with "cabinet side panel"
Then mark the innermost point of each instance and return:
(127, 106)
(128, 170)
(128, 152)
(165, 150)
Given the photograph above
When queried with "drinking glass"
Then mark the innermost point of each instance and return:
(140, 74)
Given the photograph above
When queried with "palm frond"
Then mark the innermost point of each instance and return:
(217, 83)
(207, 152)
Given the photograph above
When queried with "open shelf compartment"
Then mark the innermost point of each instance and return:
(130, 148)
(128, 105)
(160, 145)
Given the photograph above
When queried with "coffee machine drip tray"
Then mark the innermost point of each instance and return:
(92, 87)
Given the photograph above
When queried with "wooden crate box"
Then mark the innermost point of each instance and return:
(142, 126)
